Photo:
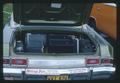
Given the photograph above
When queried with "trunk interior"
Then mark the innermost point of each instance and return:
(46, 42)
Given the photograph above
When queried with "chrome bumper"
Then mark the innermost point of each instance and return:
(92, 73)
(102, 73)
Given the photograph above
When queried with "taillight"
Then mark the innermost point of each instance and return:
(92, 61)
(6, 61)
(19, 61)
(106, 61)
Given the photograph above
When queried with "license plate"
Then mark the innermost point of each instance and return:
(64, 77)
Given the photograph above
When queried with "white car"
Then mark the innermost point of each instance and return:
(52, 41)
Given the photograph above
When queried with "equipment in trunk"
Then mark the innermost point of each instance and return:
(61, 43)
(54, 43)
(35, 42)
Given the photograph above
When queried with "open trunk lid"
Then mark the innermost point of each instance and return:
(51, 13)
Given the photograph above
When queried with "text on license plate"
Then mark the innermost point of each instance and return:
(64, 77)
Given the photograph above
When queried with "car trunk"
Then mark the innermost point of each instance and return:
(61, 50)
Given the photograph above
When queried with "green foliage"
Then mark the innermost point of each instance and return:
(7, 10)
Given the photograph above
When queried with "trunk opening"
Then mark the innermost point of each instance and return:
(46, 42)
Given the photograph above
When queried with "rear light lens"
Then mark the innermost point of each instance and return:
(106, 61)
(92, 61)
(19, 61)
(6, 61)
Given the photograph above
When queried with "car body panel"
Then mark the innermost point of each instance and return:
(59, 62)
(105, 15)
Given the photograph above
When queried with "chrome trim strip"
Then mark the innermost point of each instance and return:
(12, 70)
(55, 71)
(100, 69)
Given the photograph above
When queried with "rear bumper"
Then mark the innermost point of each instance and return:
(91, 74)
(13, 73)
(102, 73)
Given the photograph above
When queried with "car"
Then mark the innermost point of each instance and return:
(52, 41)
(104, 17)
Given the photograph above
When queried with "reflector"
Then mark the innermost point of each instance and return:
(19, 61)
(92, 61)
(106, 61)
(6, 61)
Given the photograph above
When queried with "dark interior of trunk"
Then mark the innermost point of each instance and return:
(39, 42)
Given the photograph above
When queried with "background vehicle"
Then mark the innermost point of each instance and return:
(54, 43)
(104, 18)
